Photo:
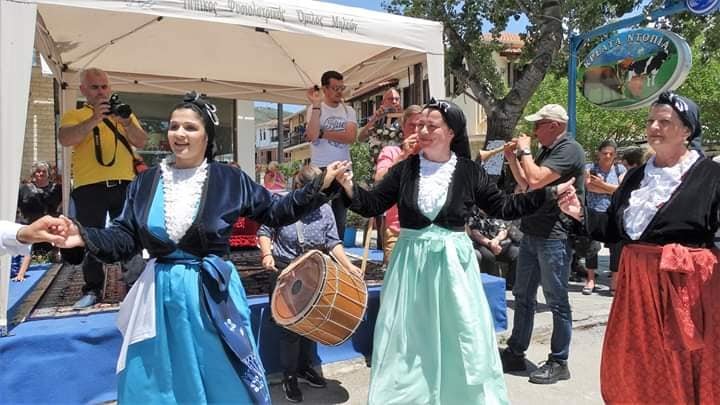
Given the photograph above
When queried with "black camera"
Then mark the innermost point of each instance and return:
(117, 107)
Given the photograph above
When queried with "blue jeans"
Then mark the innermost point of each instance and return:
(545, 261)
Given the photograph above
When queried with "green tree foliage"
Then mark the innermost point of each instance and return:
(468, 52)
(595, 124)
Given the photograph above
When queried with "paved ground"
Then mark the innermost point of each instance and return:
(348, 381)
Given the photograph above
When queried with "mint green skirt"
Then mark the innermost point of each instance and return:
(434, 340)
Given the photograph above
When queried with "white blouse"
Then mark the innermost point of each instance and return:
(434, 183)
(183, 190)
(655, 190)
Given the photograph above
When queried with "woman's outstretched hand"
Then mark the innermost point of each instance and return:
(568, 200)
(73, 238)
(334, 171)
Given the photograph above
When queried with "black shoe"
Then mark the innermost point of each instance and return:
(291, 389)
(512, 361)
(312, 377)
(550, 372)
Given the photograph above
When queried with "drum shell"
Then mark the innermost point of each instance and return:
(335, 308)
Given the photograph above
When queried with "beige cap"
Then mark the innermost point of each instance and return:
(553, 112)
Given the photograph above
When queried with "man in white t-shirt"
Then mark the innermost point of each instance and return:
(331, 128)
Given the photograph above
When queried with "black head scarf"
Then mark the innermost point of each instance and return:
(689, 114)
(207, 113)
(455, 120)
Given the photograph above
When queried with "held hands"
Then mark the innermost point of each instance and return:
(568, 201)
(46, 229)
(334, 171)
(73, 238)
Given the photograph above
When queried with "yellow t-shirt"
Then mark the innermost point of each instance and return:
(85, 167)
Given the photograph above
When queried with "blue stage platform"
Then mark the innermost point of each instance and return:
(71, 360)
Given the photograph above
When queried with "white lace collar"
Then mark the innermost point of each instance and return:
(183, 191)
(435, 179)
(656, 187)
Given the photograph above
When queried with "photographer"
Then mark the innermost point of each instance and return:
(390, 104)
(102, 133)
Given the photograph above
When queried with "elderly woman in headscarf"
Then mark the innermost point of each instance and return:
(662, 343)
(434, 339)
(186, 321)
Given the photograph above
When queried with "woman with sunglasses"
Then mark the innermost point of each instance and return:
(434, 340)
(186, 321)
(662, 343)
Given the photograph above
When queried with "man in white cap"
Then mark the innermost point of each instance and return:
(545, 251)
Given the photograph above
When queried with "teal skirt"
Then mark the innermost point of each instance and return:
(434, 339)
(186, 362)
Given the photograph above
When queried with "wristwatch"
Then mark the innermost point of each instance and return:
(524, 151)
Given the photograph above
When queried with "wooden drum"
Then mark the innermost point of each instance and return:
(317, 298)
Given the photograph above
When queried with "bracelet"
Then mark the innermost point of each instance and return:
(265, 255)
(317, 108)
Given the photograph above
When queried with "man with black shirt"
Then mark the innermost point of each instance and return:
(545, 252)
(102, 166)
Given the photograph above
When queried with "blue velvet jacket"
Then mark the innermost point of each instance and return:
(228, 193)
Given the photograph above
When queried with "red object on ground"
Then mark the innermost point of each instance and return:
(244, 233)
(662, 343)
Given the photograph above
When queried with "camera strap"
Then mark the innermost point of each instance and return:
(118, 137)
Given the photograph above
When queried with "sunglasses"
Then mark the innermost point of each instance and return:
(337, 88)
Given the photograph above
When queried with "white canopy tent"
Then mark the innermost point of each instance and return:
(271, 50)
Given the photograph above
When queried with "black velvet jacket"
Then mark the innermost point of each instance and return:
(470, 186)
(691, 216)
(228, 193)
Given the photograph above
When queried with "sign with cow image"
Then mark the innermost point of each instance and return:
(630, 69)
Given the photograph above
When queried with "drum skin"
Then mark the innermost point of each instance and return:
(317, 298)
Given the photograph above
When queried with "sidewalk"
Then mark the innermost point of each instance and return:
(588, 310)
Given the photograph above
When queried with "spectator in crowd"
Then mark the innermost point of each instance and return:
(633, 157)
(279, 246)
(662, 342)
(388, 157)
(102, 165)
(331, 128)
(602, 178)
(493, 242)
(545, 251)
(390, 104)
(274, 179)
(38, 198)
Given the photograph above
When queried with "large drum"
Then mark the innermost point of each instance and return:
(317, 298)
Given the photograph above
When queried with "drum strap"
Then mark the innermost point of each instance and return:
(301, 237)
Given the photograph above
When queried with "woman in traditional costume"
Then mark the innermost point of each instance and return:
(186, 321)
(434, 339)
(662, 343)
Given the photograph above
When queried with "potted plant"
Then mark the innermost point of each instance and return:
(353, 222)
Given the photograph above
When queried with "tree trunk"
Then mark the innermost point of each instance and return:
(501, 122)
